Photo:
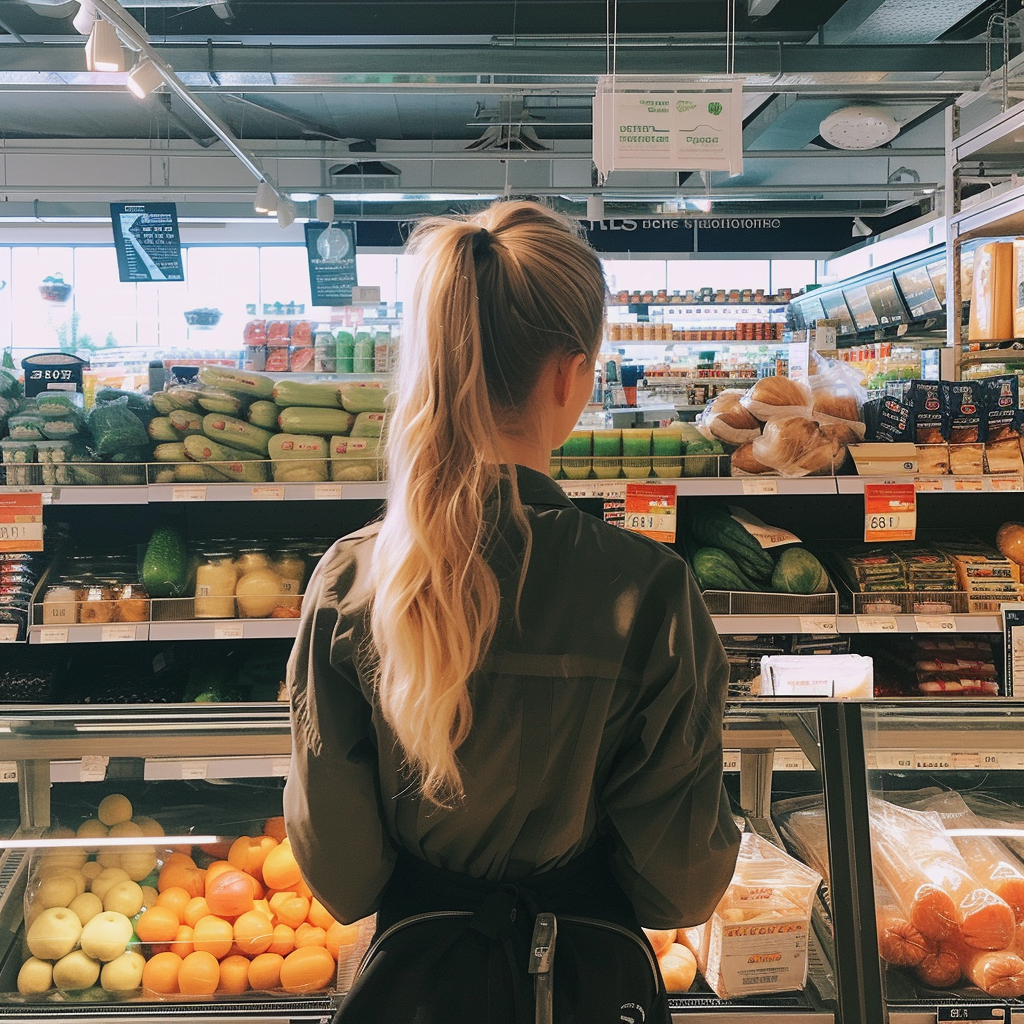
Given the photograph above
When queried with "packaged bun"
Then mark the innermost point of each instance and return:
(726, 420)
(777, 396)
(841, 413)
(797, 446)
(743, 462)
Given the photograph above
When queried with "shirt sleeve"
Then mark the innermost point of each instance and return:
(332, 803)
(675, 842)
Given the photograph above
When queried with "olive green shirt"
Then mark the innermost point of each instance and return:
(602, 715)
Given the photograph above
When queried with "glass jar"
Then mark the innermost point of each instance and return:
(251, 558)
(216, 577)
(289, 563)
(60, 603)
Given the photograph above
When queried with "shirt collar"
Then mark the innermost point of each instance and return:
(540, 490)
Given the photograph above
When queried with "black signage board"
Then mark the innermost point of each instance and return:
(332, 268)
(147, 242)
(53, 371)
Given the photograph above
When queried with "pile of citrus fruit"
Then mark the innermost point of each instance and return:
(139, 918)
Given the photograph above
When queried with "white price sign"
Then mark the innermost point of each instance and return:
(1007, 483)
(968, 483)
(228, 631)
(894, 760)
(928, 483)
(53, 636)
(818, 624)
(112, 634)
(93, 768)
(188, 494)
(935, 624)
(8, 634)
(757, 486)
(326, 492)
(8, 771)
(280, 766)
(963, 759)
(193, 769)
(877, 624)
(731, 760)
(932, 759)
(268, 493)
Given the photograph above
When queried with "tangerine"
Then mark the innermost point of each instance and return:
(213, 935)
(265, 971)
(234, 975)
(280, 869)
(175, 898)
(177, 857)
(283, 941)
(158, 924)
(302, 889)
(309, 935)
(179, 875)
(253, 933)
(199, 974)
(341, 938)
(289, 908)
(248, 853)
(182, 942)
(195, 910)
(319, 915)
(217, 867)
(230, 893)
(275, 828)
(161, 973)
(308, 970)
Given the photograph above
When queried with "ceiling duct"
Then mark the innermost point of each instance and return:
(510, 129)
(365, 176)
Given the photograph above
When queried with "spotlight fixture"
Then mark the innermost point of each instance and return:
(859, 128)
(285, 213)
(325, 208)
(861, 229)
(103, 50)
(85, 18)
(266, 198)
(144, 78)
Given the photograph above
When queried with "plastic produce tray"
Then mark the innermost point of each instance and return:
(743, 602)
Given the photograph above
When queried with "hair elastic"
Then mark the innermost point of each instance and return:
(481, 242)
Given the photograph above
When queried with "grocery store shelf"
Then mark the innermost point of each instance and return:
(939, 484)
(842, 625)
(224, 629)
(114, 632)
(371, 491)
(256, 1011)
(704, 307)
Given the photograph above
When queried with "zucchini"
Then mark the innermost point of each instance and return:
(197, 473)
(297, 446)
(185, 422)
(237, 433)
(363, 396)
(162, 403)
(714, 527)
(300, 471)
(183, 397)
(230, 462)
(239, 382)
(220, 401)
(716, 570)
(263, 414)
(322, 394)
(368, 424)
(174, 452)
(161, 429)
(355, 459)
(323, 422)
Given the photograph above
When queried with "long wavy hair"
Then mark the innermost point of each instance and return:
(499, 294)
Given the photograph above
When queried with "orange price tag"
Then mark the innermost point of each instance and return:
(890, 512)
(651, 510)
(21, 522)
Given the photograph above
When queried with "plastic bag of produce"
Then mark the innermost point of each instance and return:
(838, 399)
(26, 425)
(115, 428)
(797, 446)
(140, 404)
(355, 458)
(777, 396)
(69, 424)
(726, 420)
(756, 941)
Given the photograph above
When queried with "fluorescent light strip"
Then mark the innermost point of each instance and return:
(88, 843)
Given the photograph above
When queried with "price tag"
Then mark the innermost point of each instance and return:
(790, 761)
(280, 766)
(53, 636)
(731, 760)
(193, 769)
(935, 624)
(8, 634)
(1007, 483)
(818, 624)
(877, 624)
(932, 759)
(93, 768)
(890, 512)
(8, 771)
(968, 483)
(962, 759)
(757, 486)
(651, 511)
(894, 760)
(229, 631)
(945, 1014)
(595, 489)
(188, 494)
(928, 483)
(268, 493)
(21, 522)
(113, 634)
(326, 492)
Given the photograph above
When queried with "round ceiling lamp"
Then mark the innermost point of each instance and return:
(859, 128)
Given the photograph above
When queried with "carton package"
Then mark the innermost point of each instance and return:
(992, 291)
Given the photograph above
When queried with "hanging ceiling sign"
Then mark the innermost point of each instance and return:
(331, 256)
(146, 241)
(658, 123)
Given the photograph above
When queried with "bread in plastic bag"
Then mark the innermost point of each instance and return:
(772, 397)
(726, 420)
(838, 399)
(797, 446)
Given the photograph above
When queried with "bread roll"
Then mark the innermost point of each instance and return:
(777, 396)
(841, 407)
(797, 446)
(744, 462)
(728, 421)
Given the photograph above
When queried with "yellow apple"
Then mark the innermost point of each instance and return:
(123, 973)
(35, 977)
(91, 868)
(138, 861)
(75, 971)
(149, 826)
(54, 933)
(123, 898)
(106, 878)
(86, 906)
(56, 890)
(71, 858)
(106, 936)
(114, 809)
(149, 895)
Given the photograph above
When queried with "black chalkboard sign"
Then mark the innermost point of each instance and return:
(332, 262)
(147, 243)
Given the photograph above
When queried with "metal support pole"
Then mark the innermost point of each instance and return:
(34, 794)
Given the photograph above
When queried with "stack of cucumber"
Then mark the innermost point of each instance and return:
(243, 426)
(726, 556)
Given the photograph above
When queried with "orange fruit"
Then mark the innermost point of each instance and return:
(161, 973)
(309, 935)
(274, 827)
(301, 889)
(319, 915)
(248, 853)
(182, 942)
(230, 893)
(341, 938)
(253, 933)
(199, 974)
(212, 935)
(176, 899)
(234, 975)
(283, 941)
(158, 924)
(177, 857)
(265, 971)
(216, 867)
(196, 909)
(280, 869)
(263, 907)
(178, 875)
(660, 940)
(289, 909)
(308, 970)
(258, 892)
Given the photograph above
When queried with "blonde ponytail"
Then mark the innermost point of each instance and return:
(497, 296)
